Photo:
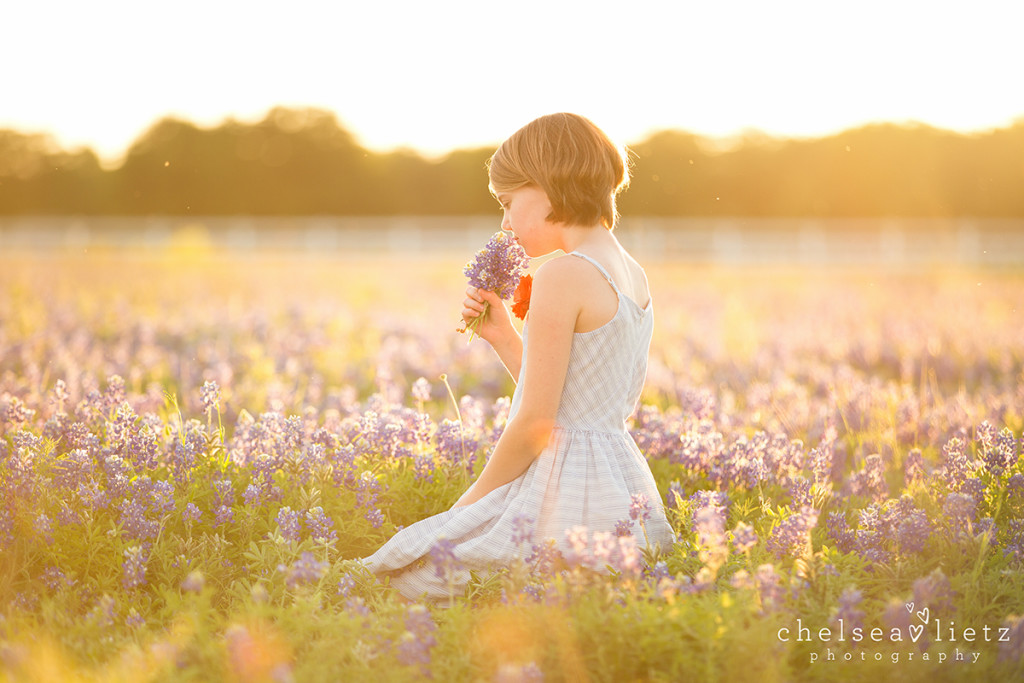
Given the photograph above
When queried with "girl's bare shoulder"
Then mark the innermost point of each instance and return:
(566, 277)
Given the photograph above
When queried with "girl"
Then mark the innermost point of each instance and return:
(565, 458)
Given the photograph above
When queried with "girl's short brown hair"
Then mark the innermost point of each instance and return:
(572, 160)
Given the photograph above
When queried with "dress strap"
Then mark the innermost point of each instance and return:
(600, 268)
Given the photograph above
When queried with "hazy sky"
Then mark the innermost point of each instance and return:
(457, 73)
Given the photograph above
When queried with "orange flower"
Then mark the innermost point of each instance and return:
(521, 297)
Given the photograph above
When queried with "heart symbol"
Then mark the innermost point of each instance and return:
(922, 614)
(910, 608)
(919, 630)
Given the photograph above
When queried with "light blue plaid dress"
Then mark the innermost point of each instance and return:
(585, 477)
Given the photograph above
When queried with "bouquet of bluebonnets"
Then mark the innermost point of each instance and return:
(499, 267)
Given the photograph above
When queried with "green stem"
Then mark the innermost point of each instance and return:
(458, 414)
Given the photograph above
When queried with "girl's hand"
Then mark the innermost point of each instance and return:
(497, 323)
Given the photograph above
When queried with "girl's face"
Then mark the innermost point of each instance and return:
(526, 210)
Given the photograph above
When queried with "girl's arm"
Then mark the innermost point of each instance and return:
(497, 329)
(554, 307)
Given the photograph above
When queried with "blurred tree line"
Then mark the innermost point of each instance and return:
(304, 162)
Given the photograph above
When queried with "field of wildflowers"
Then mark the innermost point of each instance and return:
(194, 447)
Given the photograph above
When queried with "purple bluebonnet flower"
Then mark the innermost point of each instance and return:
(709, 525)
(455, 443)
(380, 433)
(822, 459)
(577, 538)
(104, 612)
(181, 460)
(67, 516)
(651, 435)
(533, 592)
(443, 557)
(134, 619)
(974, 487)
(716, 499)
(417, 428)
(44, 527)
(367, 492)
(424, 466)
(956, 467)
(628, 558)
(421, 390)
(72, 468)
(1012, 649)
(17, 413)
(544, 556)
(913, 531)
(92, 495)
(659, 571)
(54, 579)
(210, 395)
(743, 537)
(639, 507)
(306, 569)
(873, 533)
(800, 491)
(501, 409)
(850, 609)
(254, 494)
(624, 527)
(986, 525)
(935, 592)
(191, 514)
(134, 568)
(294, 433)
(224, 493)
(356, 605)
(959, 511)
(604, 545)
(161, 498)
(143, 447)
(895, 526)
(792, 535)
(741, 580)
(223, 515)
(522, 530)
(913, 467)
(1015, 487)
(375, 517)
(998, 451)
(769, 587)
(135, 522)
(114, 394)
(346, 584)
(675, 495)
(120, 429)
(498, 266)
(897, 616)
(290, 524)
(118, 475)
(343, 466)
(415, 644)
(870, 480)
(1006, 451)
(1013, 548)
(60, 394)
(320, 526)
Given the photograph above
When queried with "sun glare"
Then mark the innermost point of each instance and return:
(465, 74)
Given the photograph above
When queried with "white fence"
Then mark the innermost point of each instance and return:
(740, 240)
